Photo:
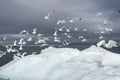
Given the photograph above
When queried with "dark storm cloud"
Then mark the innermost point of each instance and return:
(16, 15)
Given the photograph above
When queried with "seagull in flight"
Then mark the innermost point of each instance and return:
(61, 22)
(34, 31)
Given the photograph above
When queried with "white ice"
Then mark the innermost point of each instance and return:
(93, 63)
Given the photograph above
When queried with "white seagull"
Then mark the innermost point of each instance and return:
(34, 31)
(61, 22)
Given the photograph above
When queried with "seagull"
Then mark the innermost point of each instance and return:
(34, 31)
(76, 29)
(47, 17)
(84, 30)
(40, 41)
(74, 19)
(39, 35)
(18, 54)
(23, 54)
(105, 21)
(67, 35)
(101, 37)
(61, 29)
(29, 39)
(84, 40)
(61, 22)
(2, 53)
(99, 14)
(55, 33)
(15, 43)
(109, 29)
(67, 30)
(65, 43)
(4, 38)
(21, 41)
(102, 32)
(81, 37)
(24, 31)
(43, 45)
(10, 49)
(56, 39)
(21, 47)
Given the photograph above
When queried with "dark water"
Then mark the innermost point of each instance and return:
(4, 79)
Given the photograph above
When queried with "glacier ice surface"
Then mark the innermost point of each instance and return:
(93, 63)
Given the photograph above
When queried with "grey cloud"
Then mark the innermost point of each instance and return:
(20, 14)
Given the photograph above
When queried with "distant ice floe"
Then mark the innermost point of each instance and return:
(110, 44)
(93, 63)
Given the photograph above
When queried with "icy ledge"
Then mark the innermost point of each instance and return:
(93, 63)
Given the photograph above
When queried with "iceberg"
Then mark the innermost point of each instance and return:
(93, 63)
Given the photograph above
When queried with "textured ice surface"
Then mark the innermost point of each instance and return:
(93, 63)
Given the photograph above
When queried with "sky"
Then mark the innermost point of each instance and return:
(16, 15)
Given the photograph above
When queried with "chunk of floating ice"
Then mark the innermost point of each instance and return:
(110, 44)
(100, 43)
(61, 63)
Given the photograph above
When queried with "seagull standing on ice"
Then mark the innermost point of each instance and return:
(23, 54)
